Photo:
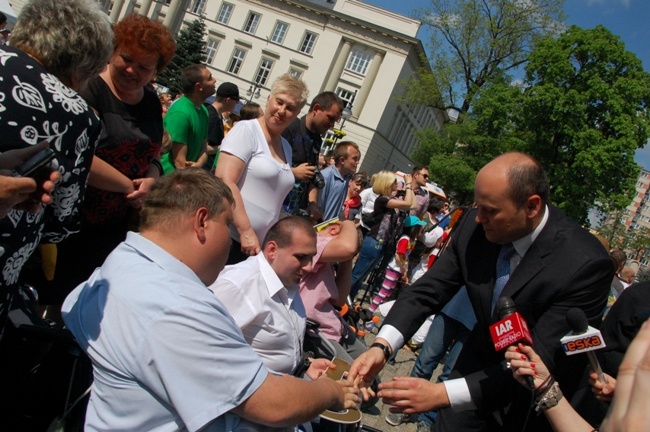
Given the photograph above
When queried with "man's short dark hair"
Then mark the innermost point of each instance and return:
(191, 75)
(527, 178)
(3, 18)
(282, 231)
(419, 168)
(435, 205)
(325, 101)
(182, 193)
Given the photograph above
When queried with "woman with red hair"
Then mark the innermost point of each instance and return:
(127, 160)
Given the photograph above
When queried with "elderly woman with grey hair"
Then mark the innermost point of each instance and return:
(56, 47)
(41, 70)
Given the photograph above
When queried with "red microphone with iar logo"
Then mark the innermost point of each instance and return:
(511, 329)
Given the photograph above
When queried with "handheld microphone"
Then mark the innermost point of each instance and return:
(583, 339)
(511, 329)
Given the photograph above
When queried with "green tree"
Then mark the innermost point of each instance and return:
(455, 154)
(447, 161)
(636, 243)
(582, 111)
(475, 40)
(611, 226)
(585, 111)
(190, 49)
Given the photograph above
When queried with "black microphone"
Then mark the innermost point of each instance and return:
(511, 329)
(583, 338)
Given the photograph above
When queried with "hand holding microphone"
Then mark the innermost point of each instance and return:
(526, 365)
(511, 329)
(583, 339)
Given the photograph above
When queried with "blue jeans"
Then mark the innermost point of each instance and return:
(370, 254)
(443, 332)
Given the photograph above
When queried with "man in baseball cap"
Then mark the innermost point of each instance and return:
(228, 90)
(221, 118)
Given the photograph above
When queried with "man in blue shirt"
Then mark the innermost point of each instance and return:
(330, 199)
(166, 354)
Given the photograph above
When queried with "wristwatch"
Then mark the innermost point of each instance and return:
(550, 398)
(382, 347)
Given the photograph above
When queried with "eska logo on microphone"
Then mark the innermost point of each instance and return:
(582, 344)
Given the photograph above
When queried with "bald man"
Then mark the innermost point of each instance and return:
(555, 265)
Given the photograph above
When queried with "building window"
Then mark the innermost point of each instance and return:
(358, 62)
(308, 42)
(236, 61)
(345, 95)
(211, 50)
(263, 71)
(279, 32)
(296, 72)
(198, 7)
(224, 13)
(252, 22)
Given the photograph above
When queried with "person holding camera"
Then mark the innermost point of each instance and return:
(329, 199)
(383, 224)
(305, 135)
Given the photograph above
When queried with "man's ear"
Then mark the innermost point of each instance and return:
(201, 219)
(533, 206)
(269, 250)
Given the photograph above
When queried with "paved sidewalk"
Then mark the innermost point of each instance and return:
(402, 366)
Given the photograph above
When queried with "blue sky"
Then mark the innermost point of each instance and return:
(626, 18)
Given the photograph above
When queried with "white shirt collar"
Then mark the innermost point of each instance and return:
(273, 282)
(523, 244)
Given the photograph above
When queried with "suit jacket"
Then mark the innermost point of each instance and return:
(565, 267)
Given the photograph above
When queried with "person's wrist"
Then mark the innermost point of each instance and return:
(384, 348)
(549, 398)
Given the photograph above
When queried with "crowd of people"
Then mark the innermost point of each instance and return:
(185, 245)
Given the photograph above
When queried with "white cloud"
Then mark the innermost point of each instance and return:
(625, 3)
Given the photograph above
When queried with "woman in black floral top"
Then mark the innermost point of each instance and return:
(40, 72)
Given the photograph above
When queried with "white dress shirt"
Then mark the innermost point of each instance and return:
(270, 315)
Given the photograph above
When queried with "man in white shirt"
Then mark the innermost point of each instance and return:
(261, 293)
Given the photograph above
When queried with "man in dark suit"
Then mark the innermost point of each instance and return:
(556, 265)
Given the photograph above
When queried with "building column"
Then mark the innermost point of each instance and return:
(144, 8)
(368, 82)
(337, 68)
(117, 9)
(175, 14)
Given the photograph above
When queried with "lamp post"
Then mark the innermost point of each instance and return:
(345, 115)
(253, 91)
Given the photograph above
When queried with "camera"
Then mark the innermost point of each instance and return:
(318, 181)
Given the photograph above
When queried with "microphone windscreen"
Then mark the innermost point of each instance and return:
(577, 320)
(505, 307)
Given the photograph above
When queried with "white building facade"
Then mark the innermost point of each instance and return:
(361, 52)
(639, 209)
